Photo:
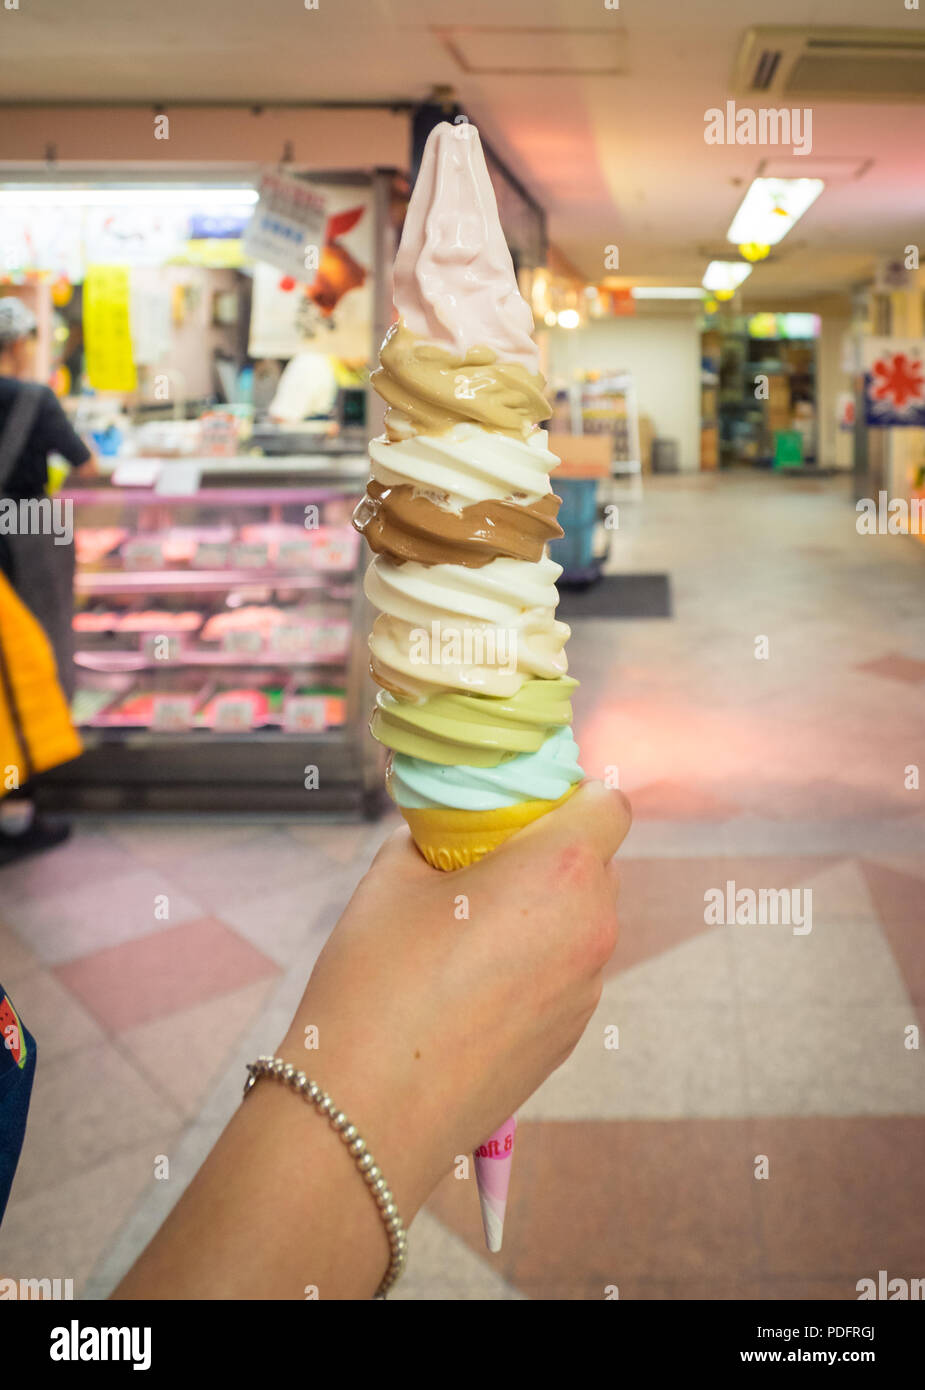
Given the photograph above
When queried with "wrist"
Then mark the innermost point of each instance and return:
(382, 1111)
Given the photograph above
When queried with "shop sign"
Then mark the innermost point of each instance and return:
(234, 715)
(304, 714)
(332, 639)
(288, 221)
(134, 236)
(210, 555)
(171, 713)
(335, 550)
(289, 639)
(140, 553)
(248, 640)
(894, 382)
(110, 363)
(251, 555)
(295, 555)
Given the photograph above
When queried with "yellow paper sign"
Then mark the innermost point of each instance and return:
(107, 328)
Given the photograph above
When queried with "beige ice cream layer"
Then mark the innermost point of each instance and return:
(429, 388)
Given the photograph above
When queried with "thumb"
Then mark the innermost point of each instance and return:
(593, 813)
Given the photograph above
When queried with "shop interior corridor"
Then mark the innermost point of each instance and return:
(759, 1130)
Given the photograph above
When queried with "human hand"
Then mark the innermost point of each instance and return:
(88, 470)
(443, 1000)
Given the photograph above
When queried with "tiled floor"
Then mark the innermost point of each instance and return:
(760, 1130)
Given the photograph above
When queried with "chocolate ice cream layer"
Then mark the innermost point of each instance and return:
(406, 525)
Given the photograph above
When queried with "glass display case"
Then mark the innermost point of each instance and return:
(220, 650)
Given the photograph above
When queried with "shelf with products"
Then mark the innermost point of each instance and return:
(221, 658)
(120, 581)
(710, 355)
(767, 385)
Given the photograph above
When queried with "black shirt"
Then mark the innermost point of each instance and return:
(51, 433)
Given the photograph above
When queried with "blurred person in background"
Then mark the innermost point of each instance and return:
(38, 565)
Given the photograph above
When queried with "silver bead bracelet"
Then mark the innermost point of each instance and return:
(369, 1168)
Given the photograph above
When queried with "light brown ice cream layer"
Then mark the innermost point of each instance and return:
(402, 523)
(436, 389)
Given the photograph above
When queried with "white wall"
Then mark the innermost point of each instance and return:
(662, 350)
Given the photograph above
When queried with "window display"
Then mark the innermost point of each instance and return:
(215, 649)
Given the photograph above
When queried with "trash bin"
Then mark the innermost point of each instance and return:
(664, 456)
(788, 448)
(577, 517)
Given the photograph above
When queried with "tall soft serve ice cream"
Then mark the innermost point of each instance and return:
(475, 696)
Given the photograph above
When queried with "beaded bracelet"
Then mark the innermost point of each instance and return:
(372, 1176)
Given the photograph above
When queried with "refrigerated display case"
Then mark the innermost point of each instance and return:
(220, 645)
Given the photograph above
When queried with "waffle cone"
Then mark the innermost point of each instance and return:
(450, 839)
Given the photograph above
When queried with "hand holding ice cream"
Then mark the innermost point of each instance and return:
(394, 998)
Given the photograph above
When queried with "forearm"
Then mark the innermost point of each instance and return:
(277, 1210)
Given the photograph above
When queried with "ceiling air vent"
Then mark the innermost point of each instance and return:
(832, 64)
(546, 52)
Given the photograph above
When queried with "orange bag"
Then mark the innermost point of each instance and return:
(36, 732)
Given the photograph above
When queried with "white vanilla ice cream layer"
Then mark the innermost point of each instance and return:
(450, 627)
(467, 464)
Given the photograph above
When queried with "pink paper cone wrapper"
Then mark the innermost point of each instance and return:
(493, 1161)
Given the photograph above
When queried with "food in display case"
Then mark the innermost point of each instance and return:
(93, 543)
(159, 620)
(181, 544)
(89, 703)
(234, 709)
(253, 618)
(315, 707)
(211, 615)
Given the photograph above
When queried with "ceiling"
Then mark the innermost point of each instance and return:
(611, 143)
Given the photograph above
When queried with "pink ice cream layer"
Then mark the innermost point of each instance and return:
(454, 281)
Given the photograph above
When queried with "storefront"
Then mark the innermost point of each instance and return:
(219, 623)
(759, 389)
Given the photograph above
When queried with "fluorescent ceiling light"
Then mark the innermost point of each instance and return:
(830, 168)
(725, 275)
(667, 292)
(770, 208)
(151, 197)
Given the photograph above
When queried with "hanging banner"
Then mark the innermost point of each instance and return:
(149, 318)
(329, 310)
(894, 381)
(288, 225)
(844, 410)
(42, 238)
(107, 328)
(135, 236)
